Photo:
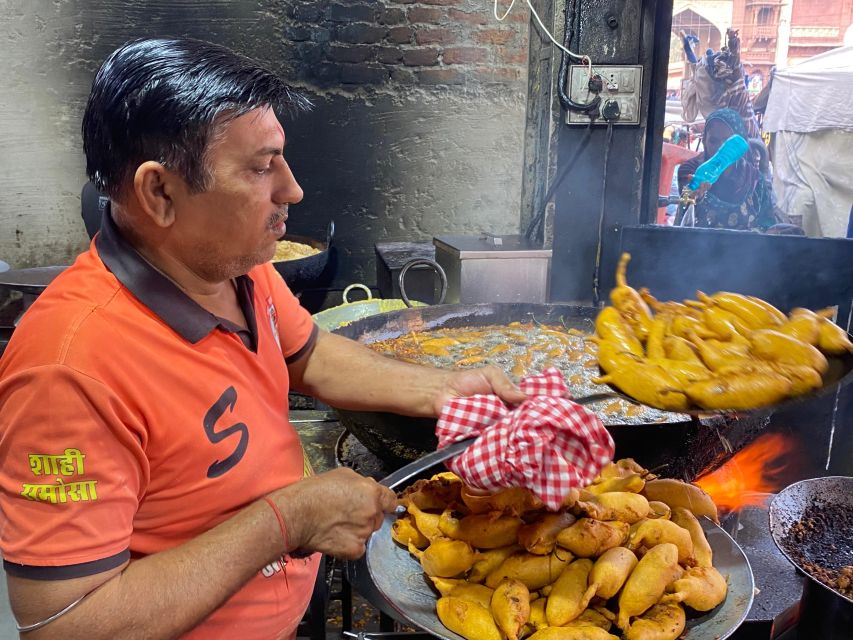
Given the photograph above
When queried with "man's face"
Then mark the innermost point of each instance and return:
(233, 226)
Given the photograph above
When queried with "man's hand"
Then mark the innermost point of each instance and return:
(334, 512)
(487, 380)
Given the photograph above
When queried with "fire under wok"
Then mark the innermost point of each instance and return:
(686, 446)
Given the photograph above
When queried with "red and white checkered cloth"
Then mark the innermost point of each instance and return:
(547, 444)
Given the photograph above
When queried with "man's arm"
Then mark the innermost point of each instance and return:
(345, 373)
(168, 593)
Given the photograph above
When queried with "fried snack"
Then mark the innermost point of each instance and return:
(610, 325)
(621, 468)
(649, 384)
(684, 326)
(405, 532)
(515, 501)
(583, 632)
(487, 561)
(661, 622)
(676, 348)
(832, 339)
(478, 593)
(659, 509)
(647, 582)
(685, 373)
(568, 597)
(612, 356)
(510, 607)
(720, 355)
(657, 331)
(623, 506)
(591, 618)
(629, 302)
(610, 572)
(537, 618)
(803, 379)
(650, 533)
(571, 498)
(702, 553)
(633, 483)
(778, 347)
(469, 619)
(427, 523)
(803, 325)
(740, 391)
(700, 588)
(484, 531)
(756, 313)
(677, 493)
(669, 307)
(445, 558)
(516, 594)
(534, 571)
(588, 538)
(540, 537)
(725, 324)
(436, 493)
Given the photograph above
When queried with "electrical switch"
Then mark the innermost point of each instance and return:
(617, 86)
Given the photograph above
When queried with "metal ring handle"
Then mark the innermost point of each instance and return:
(356, 285)
(430, 263)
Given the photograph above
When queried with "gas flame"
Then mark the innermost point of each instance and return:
(753, 473)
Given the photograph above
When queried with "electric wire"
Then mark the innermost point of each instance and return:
(583, 58)
(596, 274)
(567, 103)
(535, 226)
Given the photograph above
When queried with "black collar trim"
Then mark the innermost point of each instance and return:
(162, 296)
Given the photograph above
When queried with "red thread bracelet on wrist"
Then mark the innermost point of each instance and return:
(282, 527)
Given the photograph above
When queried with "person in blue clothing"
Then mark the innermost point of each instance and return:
(743, 196)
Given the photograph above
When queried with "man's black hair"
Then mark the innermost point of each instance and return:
(162, 99)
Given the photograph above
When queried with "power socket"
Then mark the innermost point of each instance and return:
(621, 84)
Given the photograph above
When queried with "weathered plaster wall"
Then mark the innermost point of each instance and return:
(417, 128)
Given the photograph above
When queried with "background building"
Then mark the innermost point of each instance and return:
(772, 32)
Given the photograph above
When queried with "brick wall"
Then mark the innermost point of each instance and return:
(401, 42)
(418, 123)
(417, 128)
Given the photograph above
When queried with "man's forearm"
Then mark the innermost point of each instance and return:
(345, 374)
(165, 594)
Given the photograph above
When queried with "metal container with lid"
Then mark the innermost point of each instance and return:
(489, 268)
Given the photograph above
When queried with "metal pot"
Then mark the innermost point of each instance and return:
(685, 446)
(348, 312)
(824, 612)
(299, 274)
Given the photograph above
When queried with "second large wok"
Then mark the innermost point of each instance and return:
(399, 440)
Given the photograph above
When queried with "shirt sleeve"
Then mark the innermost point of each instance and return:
(296, 329)
(73, 474)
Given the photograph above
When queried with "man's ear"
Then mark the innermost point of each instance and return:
(153, 188)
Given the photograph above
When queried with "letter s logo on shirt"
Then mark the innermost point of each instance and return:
(227, 399)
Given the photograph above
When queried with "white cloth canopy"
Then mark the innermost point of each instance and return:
(813, 95)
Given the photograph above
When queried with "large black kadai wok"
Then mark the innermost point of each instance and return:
(811, 522)
(684, 447)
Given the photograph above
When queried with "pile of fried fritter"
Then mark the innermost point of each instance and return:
(720, 352)
(625, 555)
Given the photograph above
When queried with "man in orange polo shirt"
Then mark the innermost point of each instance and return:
(151, 485)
